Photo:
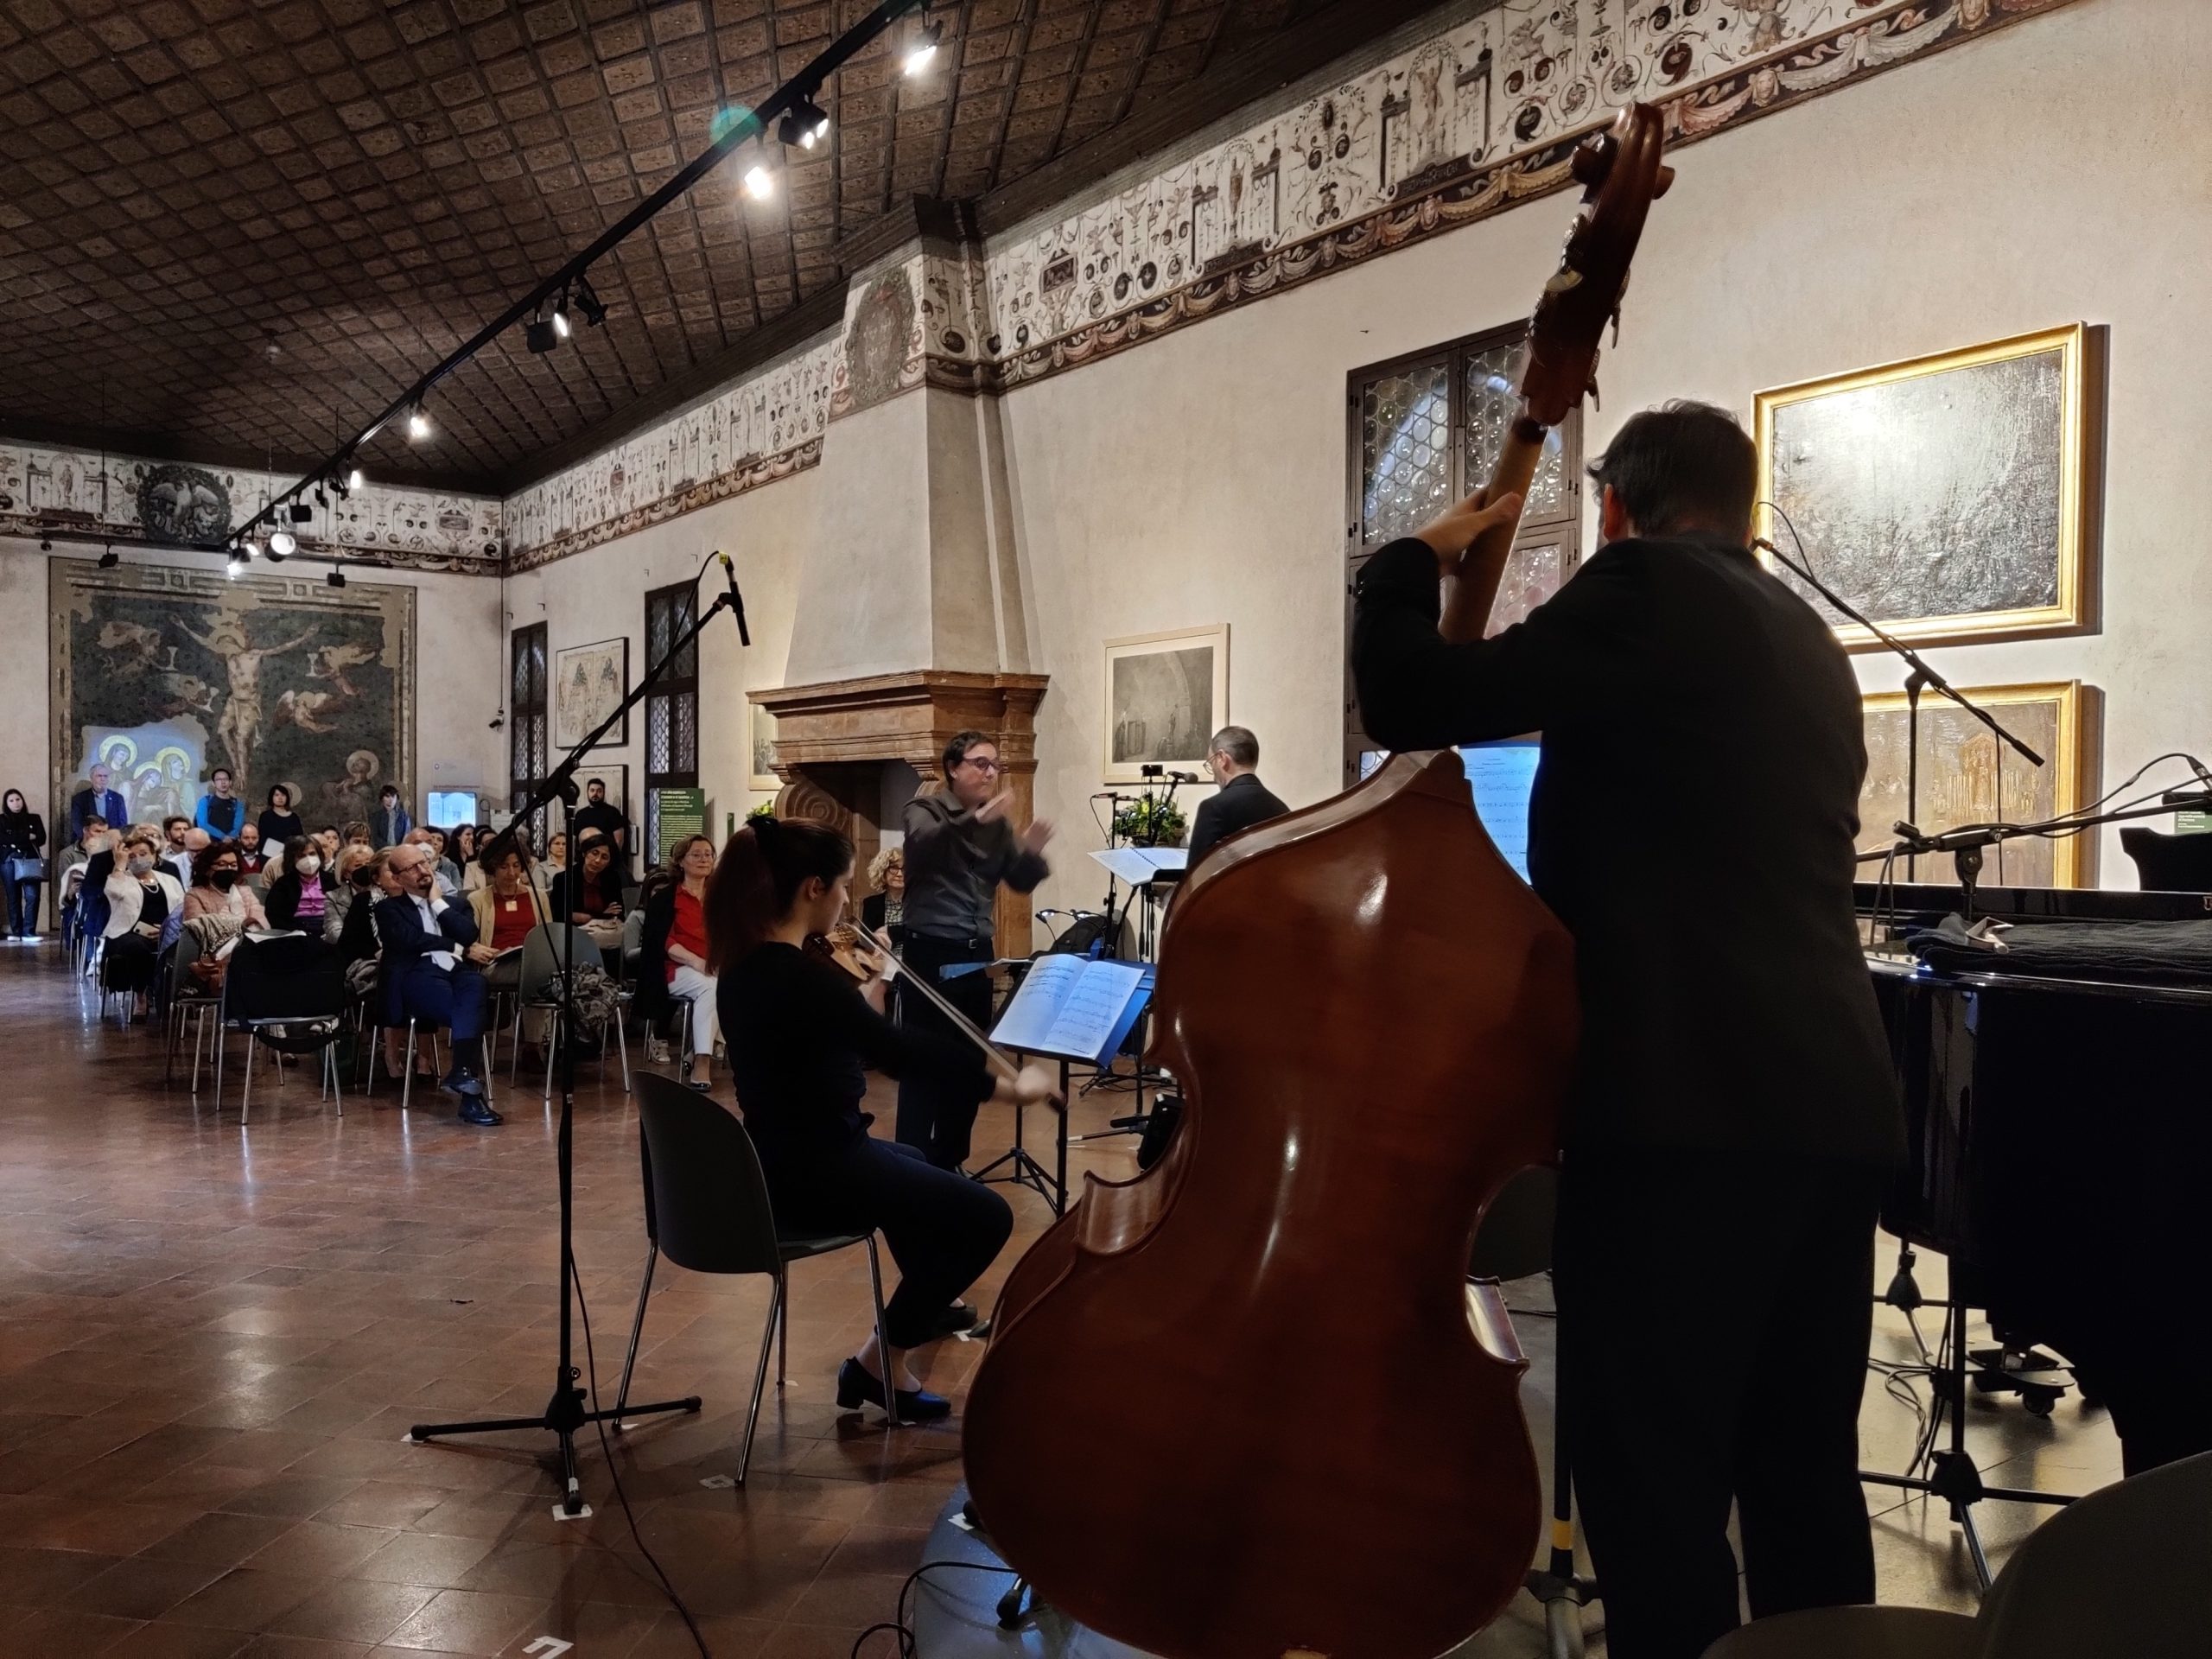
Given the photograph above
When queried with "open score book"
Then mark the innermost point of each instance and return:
(1071, 1008)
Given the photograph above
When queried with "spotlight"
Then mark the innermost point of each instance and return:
(354, 479)
(336, 578)
(589, 302)
(540, 336)
(804, 124)
(282, 544)
(302, 513)
(923, 50)
(110, 559)
(758, 185)
(252, 548)
(236, 566)
(45, 544)
(418, 424)
(560, 319)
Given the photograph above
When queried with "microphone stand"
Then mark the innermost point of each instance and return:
(1922, 677)
(564, 1411)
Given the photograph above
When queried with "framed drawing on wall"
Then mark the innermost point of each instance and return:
(589, 683)
(763, 736)
(1947, 498)
(1166, 695)
(1967, 776)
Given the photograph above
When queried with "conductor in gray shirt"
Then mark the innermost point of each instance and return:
(960, 846)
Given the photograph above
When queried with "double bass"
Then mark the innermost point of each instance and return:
(1247, 1406)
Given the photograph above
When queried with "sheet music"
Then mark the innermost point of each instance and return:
(1069, 1007)
(1139, 865)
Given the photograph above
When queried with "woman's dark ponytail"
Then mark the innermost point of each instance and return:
(757, 879)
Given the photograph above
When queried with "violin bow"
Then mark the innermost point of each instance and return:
(1000, 1062)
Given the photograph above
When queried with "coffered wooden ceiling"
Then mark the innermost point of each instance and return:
(233, 230)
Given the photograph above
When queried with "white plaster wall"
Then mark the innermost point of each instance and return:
(459, 667)
(768, 532)
(2054, 173)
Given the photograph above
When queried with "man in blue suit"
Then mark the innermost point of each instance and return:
(425, 942)
(96, 802)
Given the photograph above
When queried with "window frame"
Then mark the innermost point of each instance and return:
(671, 692)
(528, 717)
(1562, 528)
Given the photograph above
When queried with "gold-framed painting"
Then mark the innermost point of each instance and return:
(1947, 499)
(1967, 776)
(760, 736)
(1164, 696)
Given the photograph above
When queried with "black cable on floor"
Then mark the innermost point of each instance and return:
(900, 1627)
(591, 1364)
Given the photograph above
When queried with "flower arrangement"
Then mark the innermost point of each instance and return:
(1150, 822)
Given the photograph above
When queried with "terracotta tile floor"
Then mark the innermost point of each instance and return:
(211, 1342)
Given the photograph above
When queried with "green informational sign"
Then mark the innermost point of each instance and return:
(682, 813)
(2192, 824)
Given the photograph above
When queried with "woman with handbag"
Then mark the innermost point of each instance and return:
(22, 863)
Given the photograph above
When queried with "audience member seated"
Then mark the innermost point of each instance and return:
(506, 908)
(221, 813)
(462, 847)
(142, 900)
(252, 858)
(23, 862)
(430, 840)
(674, 953)
(175, 850)
(278, 824)
(590, 894)
(425, 978)
(330, 840)
(355, 833)
(69, 871)
(884, 910)
(337, 908)
(217, 890)
(556, 854)
(299, 898)
(364, 882)
(92, 881)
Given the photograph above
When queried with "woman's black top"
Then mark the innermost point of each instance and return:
(153, 904)
(573, 893)
(22, 835)
(798, 1031)
(277, 828)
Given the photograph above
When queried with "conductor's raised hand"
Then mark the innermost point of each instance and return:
(1454, 531)
(1037, 1086)
(1034, 837)
(996, 808)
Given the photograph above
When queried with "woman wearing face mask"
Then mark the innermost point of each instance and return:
(23, 862)
(141, 896)
(299, 898)
(218, 888)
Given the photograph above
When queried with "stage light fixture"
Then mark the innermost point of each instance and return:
(539, 336)
(283, 544)
(418, 424)
(805, 124)
(252, 548)
(923, 52)
(336, 578)
(302, 513)
(589, 302)
(561, 318)
(235, 566)
(760, 184)
(110, 559)
(354, 479)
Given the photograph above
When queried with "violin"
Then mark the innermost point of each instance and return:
(1247, 1406)
(841, 947)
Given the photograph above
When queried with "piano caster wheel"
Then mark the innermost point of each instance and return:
(2039, 1401)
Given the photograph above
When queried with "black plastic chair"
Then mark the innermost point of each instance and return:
(292, 982)
(2125, 1571)
(544, 953)
(2169, 863)
(706, 1208)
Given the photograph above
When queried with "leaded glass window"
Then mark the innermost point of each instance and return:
(672, 710)
(526, 712)
(1405, 450)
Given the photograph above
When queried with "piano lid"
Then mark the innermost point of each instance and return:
(1912, 902)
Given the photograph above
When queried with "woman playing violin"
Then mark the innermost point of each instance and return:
(799, 1030)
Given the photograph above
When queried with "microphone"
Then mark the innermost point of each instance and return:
(1182, 777)
(736, 599)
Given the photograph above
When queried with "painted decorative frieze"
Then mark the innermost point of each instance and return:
(77, 496)
(1463, 125)
(759, 430)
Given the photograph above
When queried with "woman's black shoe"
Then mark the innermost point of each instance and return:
(958, 1320)
(856, 1387)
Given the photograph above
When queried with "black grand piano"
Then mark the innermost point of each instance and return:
(2059, 1101)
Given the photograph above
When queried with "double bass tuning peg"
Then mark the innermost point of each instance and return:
(1663, 183)
(1593, 159)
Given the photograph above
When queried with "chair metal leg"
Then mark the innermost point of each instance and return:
(407, 1077)
(622, 1046)
(514, 1044)
(760, 1374)
(199, 1037)
(637, 1330)
(245, 1100)
(554, 1035)
(883, 1340)
(783, 1326)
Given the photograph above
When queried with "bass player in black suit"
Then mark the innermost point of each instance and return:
(1735, 1110)
(1233, 757)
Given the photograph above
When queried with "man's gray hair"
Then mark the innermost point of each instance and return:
(1237, 743)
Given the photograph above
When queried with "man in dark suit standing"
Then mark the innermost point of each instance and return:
(98, 801)
(1233, 757)
(424, 943)
(1734, 1103)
